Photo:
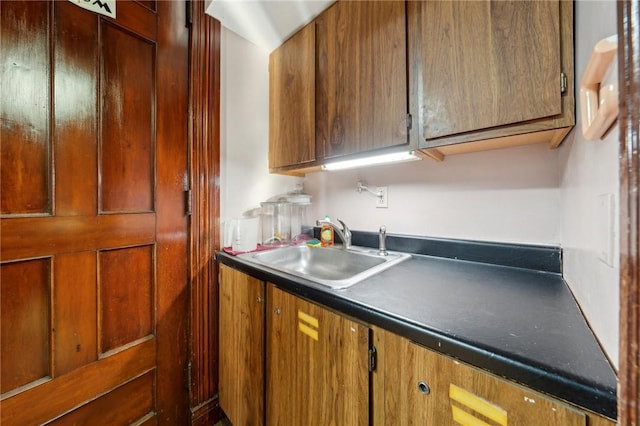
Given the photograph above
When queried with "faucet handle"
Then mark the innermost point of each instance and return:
(382, 250)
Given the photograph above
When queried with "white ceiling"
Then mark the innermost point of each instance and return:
(266, 23)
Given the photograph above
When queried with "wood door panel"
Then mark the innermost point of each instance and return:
(150, 4)
(137, 18)
(25, 303)
(112, 309)
(48, 400)
(126, 295)
(292, 111)
(75, 323)
(478, 66)
(76, 71)
(134, 401)
(126, 150)
(60, 234)
(24, 106)
(361, 92)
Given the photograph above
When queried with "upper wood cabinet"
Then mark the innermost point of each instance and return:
(292, 139)
(361, 82)
(490, 74)
(445, 77)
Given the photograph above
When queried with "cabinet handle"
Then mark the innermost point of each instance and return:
(277, 311)
(259, 299)
(423, 387)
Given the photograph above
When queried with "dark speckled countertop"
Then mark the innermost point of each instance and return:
(518, 321)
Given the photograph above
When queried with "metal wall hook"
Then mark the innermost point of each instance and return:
(362, 187)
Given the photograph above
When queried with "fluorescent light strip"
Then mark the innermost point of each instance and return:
(370, 161)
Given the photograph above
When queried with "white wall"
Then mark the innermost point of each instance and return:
(590, 169)
(244, 129)
(508, 195)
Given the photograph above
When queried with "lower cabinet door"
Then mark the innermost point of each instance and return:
(416, 386)
(242, 305)
(317, 364)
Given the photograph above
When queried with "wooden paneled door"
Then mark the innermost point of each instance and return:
(93, 284)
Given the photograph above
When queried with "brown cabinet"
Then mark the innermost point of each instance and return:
(316, 361)
(361, 83)
(241, 372)
(292, 101)
(444, 77)
(414, 385)
(490, 74)
(317, 364)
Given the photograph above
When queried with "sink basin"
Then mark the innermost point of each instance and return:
(333, 267)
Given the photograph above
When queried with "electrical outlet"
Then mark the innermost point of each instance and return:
(382, 202)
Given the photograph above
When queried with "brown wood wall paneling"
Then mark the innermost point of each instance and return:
(205, 213)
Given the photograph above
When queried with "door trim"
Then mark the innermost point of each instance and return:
(629, 76)
(205, 213)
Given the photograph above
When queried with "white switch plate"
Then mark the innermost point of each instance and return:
(606, 231)
(383, 201)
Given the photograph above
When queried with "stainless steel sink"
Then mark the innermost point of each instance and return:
(333, 267)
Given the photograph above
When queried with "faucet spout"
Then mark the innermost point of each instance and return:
(343, 232)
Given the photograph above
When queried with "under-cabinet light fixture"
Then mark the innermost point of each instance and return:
(370, 161)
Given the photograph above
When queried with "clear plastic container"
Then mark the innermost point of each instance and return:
(276, 223)
(301, 227)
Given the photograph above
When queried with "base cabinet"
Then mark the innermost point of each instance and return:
(241, 372)
(414, 385)
(317, 362)
(287, 361)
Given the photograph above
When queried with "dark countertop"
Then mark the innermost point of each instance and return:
(515, 322)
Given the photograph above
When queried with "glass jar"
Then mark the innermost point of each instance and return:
(276, 223)
(301, 227)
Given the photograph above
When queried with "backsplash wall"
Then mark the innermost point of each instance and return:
(529, 194)
(507, 195)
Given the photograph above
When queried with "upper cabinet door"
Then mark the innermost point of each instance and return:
(361, 84)
(292, 101)
(487, 64)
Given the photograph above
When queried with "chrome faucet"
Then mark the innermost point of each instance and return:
(344, 233)
(382, 250)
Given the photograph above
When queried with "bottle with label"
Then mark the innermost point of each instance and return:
(326, 234)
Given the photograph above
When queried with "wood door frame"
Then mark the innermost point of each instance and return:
(204, 148)
(629, 77)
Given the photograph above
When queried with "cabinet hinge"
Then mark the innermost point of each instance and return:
(188, 200)
(189, 368)
(409, 121)
(188, 196)
(563, 83)
(372, 358)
